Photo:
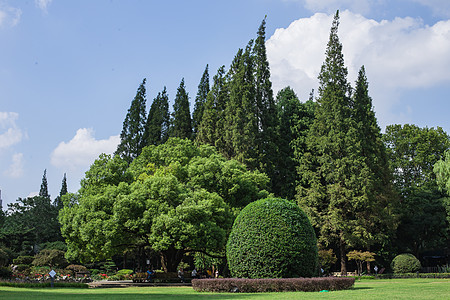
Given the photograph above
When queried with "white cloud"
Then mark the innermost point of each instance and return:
(10, 134)
(81, 151)
(43, 4)
(399, 55)
(16, 168)
(9, 16)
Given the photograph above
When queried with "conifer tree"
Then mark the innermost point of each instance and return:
(267, 139)
(210, 129)
(132, 135)
(181, 123)
(157, 126)
(43, 192)
(58, 200)
(294, 120)
(200, 100)
(326, 169)
(241, 122)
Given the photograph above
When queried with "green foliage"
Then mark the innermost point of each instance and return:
(44, 186)
(200, 100)
(4, 257)
(158, 121)
(272, 238)
(51, 258)
(132, 135)
(360, 257)
(5, 272)
(181, 123)
(23, 260)
(326, 260)
(181, 198)
(405, 263)
(58, 245)
(76, 268)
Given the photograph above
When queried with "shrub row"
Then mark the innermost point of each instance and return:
(43, 284)
(243, 285)
(414, 275)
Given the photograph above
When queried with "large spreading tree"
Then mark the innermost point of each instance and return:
(174, 198)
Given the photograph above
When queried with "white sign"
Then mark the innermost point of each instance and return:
(52, 273)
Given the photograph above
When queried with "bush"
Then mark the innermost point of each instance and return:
(76, 269)
(272, 238)
(242, 285)
(50, 258)
(5, 272)
(23, 260)
(405, 263)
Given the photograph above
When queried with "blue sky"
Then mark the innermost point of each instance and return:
(69, 69)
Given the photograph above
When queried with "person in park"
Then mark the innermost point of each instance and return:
(181, 274)
(194, 273)
(150, 274)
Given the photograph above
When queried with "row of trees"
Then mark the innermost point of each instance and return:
(31, 224)
(176, 182)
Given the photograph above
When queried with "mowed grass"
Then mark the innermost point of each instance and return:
(366, 289)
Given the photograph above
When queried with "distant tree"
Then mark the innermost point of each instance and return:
(211, 128)
(43, 192)
(58, 200)
(200, 100)
(294, 120)
(413, 152)
(158, 121)
(360, 257)
(181, 123)
(132, 135)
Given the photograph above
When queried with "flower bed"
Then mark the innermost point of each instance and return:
(243, 285)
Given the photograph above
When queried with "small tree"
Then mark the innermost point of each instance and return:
(327, 258)
(361, 257)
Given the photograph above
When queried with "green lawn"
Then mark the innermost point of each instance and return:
(366, 289)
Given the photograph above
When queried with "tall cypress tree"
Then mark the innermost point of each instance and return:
(266, 111)
(294, 120)
(58, 200)
(241, 123)
(181, 123)
(132, 135)
(210, 129)
(157, 126)
(43, 192)
(326, 169)
(200, 100)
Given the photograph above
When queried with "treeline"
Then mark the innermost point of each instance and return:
(362, 190)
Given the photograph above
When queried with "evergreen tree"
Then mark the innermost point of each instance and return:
(157, 126)
(328, 176)
(210, 129)
(294, 120)
(267, 139)
(200, 100)
(58, 200)
(181, 123)
(44, 186)
(241, 123)
(132, 135)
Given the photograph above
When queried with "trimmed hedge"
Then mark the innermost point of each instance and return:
(272, 238)
(44, 284)
(413, 275)
(405, 263)
(244, 285)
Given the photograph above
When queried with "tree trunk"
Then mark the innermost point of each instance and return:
(368, 267)
(343, 257)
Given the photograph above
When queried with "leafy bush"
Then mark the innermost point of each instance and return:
(405, 263)
(50, 258)
(272, 238)
(124, 274)
(4, 257)
(243, 285)
(23, 260)
(5, 272)
(58, 245)
(76, 269)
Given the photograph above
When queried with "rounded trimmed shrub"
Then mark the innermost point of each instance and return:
(272, 238)
(405, 263)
